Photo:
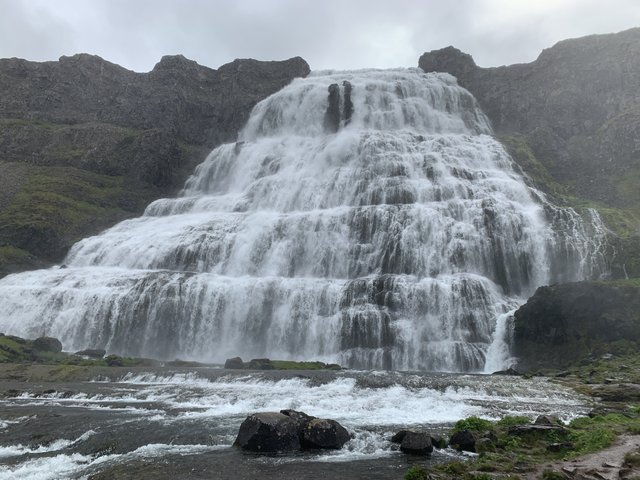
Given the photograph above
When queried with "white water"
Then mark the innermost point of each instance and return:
(396, 242)
(371, 405)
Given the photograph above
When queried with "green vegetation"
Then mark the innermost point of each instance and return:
(293, 365)
(416, 472)
(517, 451)
(622, 216)
(60, 205)
(474, 424)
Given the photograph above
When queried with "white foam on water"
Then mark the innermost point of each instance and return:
(73, 465)
(395, 239)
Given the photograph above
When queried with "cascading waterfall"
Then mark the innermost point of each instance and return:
(366, 218)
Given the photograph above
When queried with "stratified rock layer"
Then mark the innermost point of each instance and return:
(564, 323)
(85, 143)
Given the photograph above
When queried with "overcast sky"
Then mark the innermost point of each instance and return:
(337, 34)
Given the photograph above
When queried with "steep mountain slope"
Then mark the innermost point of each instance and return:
(571, 119)
(85, 143)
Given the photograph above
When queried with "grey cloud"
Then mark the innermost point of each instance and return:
(330, 34)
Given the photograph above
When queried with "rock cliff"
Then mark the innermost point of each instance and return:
(85, 143)
(571, 119)
(566, 323)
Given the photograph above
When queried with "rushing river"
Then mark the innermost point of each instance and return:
(181, 423)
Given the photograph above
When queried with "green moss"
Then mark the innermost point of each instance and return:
(60, 205)
(293, 365)
(416, 472)
(518, 147)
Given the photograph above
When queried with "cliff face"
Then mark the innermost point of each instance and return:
(85, 143)
(578, 105)
(565, 323)
(571, 119)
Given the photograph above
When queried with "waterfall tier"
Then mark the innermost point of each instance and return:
(366, 218)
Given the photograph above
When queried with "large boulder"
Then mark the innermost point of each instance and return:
(268, 432)
(324, 433)
(47, 344)
(289, 430)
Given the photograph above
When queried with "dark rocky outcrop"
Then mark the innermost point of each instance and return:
(92, 353)
(268, 432)
(85, 143)
(416, 443)
(463, 440)
(324, 433)
(47, 344)
(566, 323)
(234, 363)
(288, 431)
(570, 103)
(571, 119)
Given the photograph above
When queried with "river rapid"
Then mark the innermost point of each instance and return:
(166, 423)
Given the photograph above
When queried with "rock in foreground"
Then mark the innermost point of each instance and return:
(289, 431)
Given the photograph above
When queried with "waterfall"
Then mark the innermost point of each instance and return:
(366, 218)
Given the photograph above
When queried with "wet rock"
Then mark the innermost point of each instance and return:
(559, 447)
(620, 392)
(300, 418)
(324, 433)
(398, 437)
(508, 371)
(332, 115)
(92, 353)
(268, 432)
(438, 441)
(47, 344)
(416, 443)
(463, 440)
(260, 364)
(234, 363)
(547, 420)
(485, 445)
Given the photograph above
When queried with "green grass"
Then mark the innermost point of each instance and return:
(60, 205)
(293, 365)
(513, 452)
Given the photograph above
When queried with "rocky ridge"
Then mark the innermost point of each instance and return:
(85, 143)
(571, 120)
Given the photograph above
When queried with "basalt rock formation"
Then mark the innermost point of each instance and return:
(565, 323)
(571, 119)
(85, 143)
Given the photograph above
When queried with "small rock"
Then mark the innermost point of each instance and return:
(234, 363)
(485, 445)
(563, 374)
(438, 441)
(558, 447)
(509, 371)
(416, 443)
(463, 440)
(92, 353)
(547, 420)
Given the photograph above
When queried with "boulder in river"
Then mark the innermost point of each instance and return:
(268, 432)
(289, 430)
(92, 353)
(324, 433)
(417, 443)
